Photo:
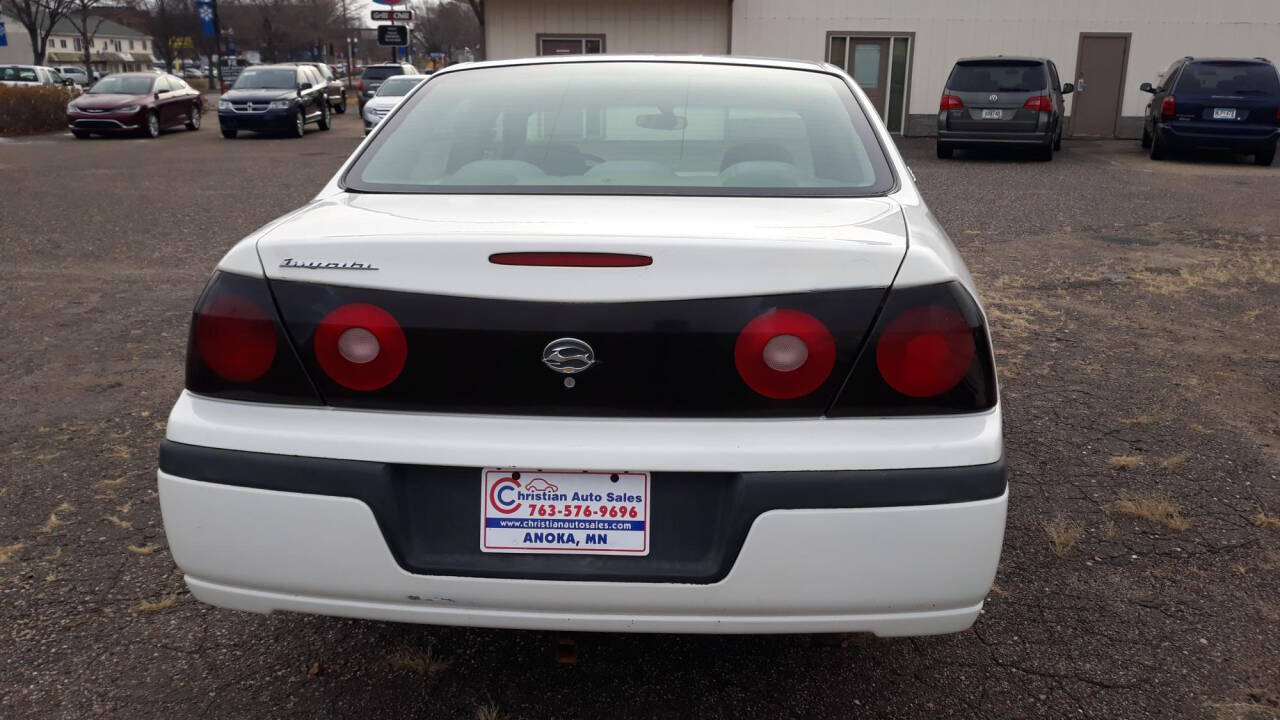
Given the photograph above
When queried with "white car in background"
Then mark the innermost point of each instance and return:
(389, 94)
(32, 76)
(75, 74)
(602, 343)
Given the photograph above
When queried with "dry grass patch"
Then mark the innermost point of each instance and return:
(7, 552)
(143, 549)
(1228, 275)
(1140, 421)
(1266, 521)
(164, 603)
(115, 520)
(490, 711)
(417, 660)
(1156, 510)
(1124, 462)
(1062, 534)
(54, 521)
(997, 591)
(1173, 463)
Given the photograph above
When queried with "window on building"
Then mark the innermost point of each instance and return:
(570, 44)
(130, 44)
(62, 43)
(76, 42)
(879, 64)
(119, 46)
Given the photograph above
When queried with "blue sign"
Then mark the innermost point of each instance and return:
(4, 39)
(389, 2)
(205, 9)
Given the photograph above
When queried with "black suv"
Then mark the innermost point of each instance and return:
(334, 87)
(1228, 103)
(274, 97)
(373, 75)
(1002, 101)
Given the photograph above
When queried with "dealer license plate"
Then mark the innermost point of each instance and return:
(992, 114)
(1224, 113)
(535, 511)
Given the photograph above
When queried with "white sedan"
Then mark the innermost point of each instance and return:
(600, 343)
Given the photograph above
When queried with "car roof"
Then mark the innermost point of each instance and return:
(137, 74)
(1250, 60)
(742, 60)
(998, 58)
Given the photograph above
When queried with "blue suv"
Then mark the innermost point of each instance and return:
(1228, 103)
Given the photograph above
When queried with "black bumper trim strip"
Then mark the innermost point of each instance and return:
(430, 518)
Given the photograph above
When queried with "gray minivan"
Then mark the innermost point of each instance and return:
(1000, 100)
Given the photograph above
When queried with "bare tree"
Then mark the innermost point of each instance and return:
(477, 7)
(38, 18)
(166, 21)
(445, 27)
(86, 25)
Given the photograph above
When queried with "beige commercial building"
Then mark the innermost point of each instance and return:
(901, 51)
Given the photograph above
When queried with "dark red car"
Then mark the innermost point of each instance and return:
(140, 102)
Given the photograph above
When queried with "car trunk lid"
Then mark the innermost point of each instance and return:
(663, 334)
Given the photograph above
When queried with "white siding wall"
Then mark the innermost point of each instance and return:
(1163, 30)
(629, 26)
(18, 51)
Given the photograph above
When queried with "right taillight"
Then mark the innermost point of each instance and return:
(950, 102)
(1168, 106)
(238, 349)
(928, 353)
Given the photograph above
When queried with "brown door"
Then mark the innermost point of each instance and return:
(869, 66)
(1099, 81)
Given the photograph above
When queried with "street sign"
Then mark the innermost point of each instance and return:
(393, 35)
(4, 39)
(398, 15)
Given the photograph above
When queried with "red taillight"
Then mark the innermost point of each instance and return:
(784, 354)
(1041, 103)
(236, 338)
(950, 102)
(361, 347)
(925, 351)
(1168, 106)
(360, 85)
(570, 259)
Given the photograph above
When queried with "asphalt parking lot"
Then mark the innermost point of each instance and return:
(1133, 307)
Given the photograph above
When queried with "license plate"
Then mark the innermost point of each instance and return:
(566, 512)
(1224, 113)
(992, 114)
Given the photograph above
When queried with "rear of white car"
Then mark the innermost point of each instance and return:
(614, 344)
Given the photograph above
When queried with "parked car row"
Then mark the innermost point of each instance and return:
(1225, 103)
(32, 75)
(276, 98)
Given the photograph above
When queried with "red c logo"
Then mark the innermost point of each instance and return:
(496, 496)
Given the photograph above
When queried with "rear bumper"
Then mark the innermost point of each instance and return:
(1237, 139)
(963, 138)
(759, 536)
(890, 571)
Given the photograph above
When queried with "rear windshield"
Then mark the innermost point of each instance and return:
(628, 128)
(17, 74)
(381, 73)
(994, 76)
(1228, 78)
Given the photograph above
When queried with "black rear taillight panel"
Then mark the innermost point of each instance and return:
(284, 380)
(654, 359)
(866, 393)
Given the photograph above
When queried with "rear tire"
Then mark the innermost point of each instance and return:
(1266, 157)
(1158, 150)
(228, 134)
(80, 134)
(194, 122)
(1045, 153)
(341, 107)
(324, 123)
(1146, 139)
(1057, 141)
(945, 151)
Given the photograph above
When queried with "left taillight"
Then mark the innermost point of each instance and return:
(237, 348)
(928, 354)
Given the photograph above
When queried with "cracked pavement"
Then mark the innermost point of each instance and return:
(1133, 308)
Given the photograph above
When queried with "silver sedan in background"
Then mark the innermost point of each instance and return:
(390, 93)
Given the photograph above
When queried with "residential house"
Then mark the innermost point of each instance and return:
(115, 48)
